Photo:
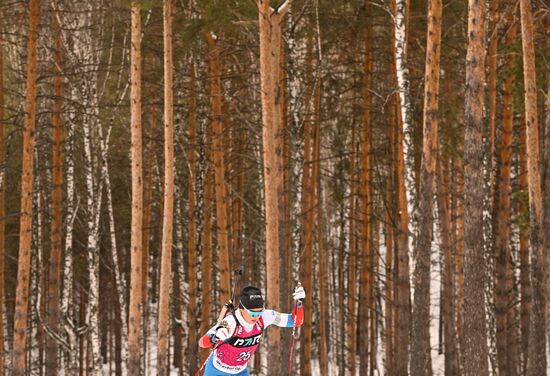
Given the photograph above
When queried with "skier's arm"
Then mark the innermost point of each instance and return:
(284, 320)
(218, 333)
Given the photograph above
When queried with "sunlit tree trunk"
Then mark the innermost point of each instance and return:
(168, 213)
(25, 223)
(136, 246)
(474, 345)
(270, 22)
(492, 88)
(421, 363)
(536, 364)
(54, 274)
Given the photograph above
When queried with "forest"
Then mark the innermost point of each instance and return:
(392, 157)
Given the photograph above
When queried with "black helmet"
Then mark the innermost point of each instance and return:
(251, 298)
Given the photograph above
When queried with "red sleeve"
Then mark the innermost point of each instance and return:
(298, 314)
(205, 342)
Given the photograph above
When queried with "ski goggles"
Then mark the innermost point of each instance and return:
(252, 313)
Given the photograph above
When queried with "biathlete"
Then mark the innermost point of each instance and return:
(238, 336)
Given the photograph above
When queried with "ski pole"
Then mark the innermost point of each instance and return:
(292, 339)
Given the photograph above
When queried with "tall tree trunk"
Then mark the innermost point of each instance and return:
(136, 246)
(25, 224)
(405, 190)
(270, 21)
(168, 213)
(219, 169)
(352, 260)
(54, 273)
(525, 272)
(69, 358)
(536, 364)
(504, 301)
(192, 237)
(147, 213)
(546, 182)
(365, 206)
(321, 231)
(204, 230)
(492, 88)
(448, 304)
(474, 344)
(2, 201)
(306, 261)
(421, 361)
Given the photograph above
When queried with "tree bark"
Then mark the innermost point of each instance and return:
(365, 207)
(536, 364)
(168, 213)
(525, 273)
(219, 169)
(306, 261)
(405, 191)
(421, 363)
(504, 295)
(270, 21)
(475, 335)
(448, 305)
(54, 273)
(136, 240)
(192, 237)
(352, 260)
(2, 200)
(25, 224)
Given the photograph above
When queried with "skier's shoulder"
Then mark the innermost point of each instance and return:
(271, 316)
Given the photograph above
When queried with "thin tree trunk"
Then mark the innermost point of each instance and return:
(168, 213)
(25, 224)
(504, 301)
(219, 169)
(306, 262)
(192, 237)
(352, 260)
(405, 190)
(525, 272)
(204, 231)
(321, 231)
(2, 202)
(536, 364)
(69, 358)
(147, 213)
(136, 246)
(492, 88)
(474, 345)
(54, 274)
(448, 304)
(421, 363)
(365, 206)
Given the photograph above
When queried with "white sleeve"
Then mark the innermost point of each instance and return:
(228, 321)
(276, 318)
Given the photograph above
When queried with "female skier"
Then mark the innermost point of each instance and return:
(238, 336)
